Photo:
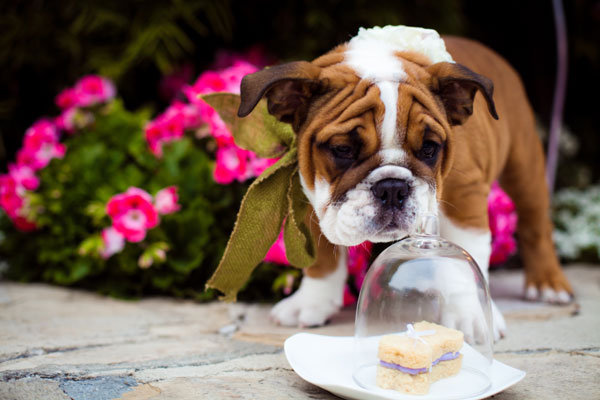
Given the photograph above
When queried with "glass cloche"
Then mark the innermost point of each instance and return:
(415, 291)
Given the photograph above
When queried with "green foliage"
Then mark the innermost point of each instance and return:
(104, 159)
(120, 34)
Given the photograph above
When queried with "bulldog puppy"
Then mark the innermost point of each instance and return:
(397, 122)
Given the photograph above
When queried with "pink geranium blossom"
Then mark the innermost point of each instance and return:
(233, 75)
(358, 262)
(231, 164)
(112, 242)
(276, 253)
(88, 91)
(66, 99)
(66, 120)
(40, 145)
(11, 196)
(216, 127)
(132, 213)
(503, 225)
(165, 201)
(12, 201)
(24, 175)
(73, 119)
(93, 89)
(257, 165)
(349, 298)
(171, 125)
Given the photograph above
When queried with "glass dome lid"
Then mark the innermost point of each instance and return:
(423, 320)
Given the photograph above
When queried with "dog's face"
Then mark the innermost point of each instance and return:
(374, 133)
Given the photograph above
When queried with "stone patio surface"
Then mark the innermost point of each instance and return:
(58, 343)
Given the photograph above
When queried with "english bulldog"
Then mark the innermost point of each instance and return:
(397, 122)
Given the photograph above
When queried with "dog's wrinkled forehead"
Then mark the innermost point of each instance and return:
(374, 55)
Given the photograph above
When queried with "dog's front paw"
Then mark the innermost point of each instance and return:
(467, 316)
(498, 322)
(553, 289)
(312, 304)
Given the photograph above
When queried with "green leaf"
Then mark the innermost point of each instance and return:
(259, 132)
(91, 246)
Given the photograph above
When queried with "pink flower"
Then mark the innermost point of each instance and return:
(233, 75)
(66, 99)
(276, 253)
(349, 297)
(502, 248)
(165, 201)
(43, 131)
(258, 165)
(132, 213)
(23, 175)
(93, 89)
(113, 242)
(74, 118)
(230, 165)
(217, 128)
(358, 262)
(207, 82)
(11, 196)
(40, 145)
(225, 80)
(12, 200)
(171, 125)
(503, 225)
(155, 137)
(66, 120)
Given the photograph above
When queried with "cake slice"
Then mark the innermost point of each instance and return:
(410, 362)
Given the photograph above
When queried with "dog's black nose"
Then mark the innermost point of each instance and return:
(391, 192)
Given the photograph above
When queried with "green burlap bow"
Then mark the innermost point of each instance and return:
(274, 197)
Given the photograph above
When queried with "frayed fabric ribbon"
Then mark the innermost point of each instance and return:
(273, 200)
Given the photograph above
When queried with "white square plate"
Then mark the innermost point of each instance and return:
(327, 362)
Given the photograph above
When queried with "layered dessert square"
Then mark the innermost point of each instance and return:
(411, 362)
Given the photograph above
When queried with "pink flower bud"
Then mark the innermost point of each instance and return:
(113, 242)
(165, 201)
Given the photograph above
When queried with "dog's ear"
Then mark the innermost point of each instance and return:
(287, 87)
(456, 85)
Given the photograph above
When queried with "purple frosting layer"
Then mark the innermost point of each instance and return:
(416, 371)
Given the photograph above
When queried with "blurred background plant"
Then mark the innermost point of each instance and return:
(152, 50)
(577, 223)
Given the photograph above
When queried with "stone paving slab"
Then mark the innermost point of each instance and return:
(58, 343)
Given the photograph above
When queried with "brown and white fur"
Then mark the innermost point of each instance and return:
(384, 135)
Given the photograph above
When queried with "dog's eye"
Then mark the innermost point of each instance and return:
(343, 151)
(429, 152)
